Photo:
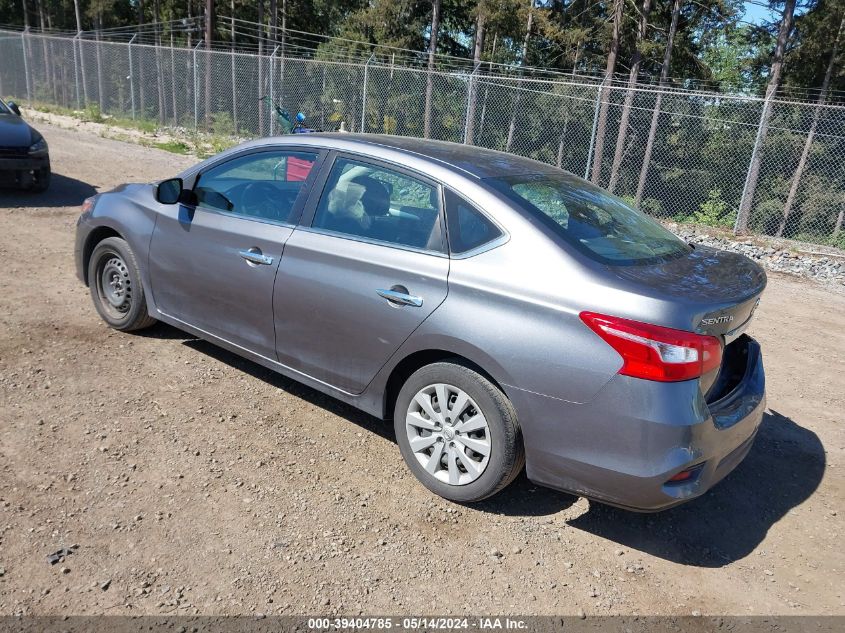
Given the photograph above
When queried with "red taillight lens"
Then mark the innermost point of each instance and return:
(653, 352)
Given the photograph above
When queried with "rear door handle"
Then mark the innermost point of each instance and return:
(255, 257)
(400, 298)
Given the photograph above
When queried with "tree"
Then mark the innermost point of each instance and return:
(522, 59)
(629, 97)
(432, 51)
(655, 116)
(598, 149)
(771, 90)
(805, 153)
(472, 97)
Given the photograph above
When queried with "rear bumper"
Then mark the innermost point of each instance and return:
(623, 446)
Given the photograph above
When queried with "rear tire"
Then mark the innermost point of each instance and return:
(462, 455)
(114, 280)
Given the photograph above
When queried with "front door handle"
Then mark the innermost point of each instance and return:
(395, 295)
(255, 257)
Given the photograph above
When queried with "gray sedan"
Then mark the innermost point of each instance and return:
(503, 313)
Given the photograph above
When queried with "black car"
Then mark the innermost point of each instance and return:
(24, 157)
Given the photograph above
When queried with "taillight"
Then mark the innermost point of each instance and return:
(653, 352)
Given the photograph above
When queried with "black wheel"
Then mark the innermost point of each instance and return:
(115, 283)
(458, 432)
(42, 179)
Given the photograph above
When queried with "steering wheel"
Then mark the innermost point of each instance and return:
(261, 199)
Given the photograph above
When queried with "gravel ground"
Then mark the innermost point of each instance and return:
(182, 479)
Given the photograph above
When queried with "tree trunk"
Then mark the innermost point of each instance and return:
(234, 76)
(487, 87)
(432, 51)
(802, 162)
(473, 91)
(655, 116)
(262, 106)
(81, 51)
(140, 50)
(598, 148)
(209, 38)
(515, 108)
(757, 154)
(629, 97)
(47, 71)
(838, 228)
(159, 70)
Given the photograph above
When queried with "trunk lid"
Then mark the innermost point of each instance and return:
(717, 292)
(718, 289)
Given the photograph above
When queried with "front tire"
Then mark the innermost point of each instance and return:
(458, 432)
(114, 280)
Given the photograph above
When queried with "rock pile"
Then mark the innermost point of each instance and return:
(775, 257)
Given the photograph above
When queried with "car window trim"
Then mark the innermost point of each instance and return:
(301, 199)
(319, 189)
(503, 237)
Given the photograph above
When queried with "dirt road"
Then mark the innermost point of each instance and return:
(194, 481)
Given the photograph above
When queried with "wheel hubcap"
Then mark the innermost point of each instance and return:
(448, 434)
(115, 287)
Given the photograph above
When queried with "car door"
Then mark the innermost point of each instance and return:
(364, 269)
(213, 264)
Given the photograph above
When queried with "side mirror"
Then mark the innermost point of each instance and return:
(14, 107)
(169, 191)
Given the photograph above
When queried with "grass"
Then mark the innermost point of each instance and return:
(200, 144)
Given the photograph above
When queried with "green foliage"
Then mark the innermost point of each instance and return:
(174, 147)
(714, 211)
(92, 113)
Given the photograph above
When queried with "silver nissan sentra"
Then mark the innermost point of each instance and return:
(503, 313)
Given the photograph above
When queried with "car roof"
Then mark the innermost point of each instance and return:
(469, 159)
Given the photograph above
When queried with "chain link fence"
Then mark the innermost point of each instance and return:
(679, 155)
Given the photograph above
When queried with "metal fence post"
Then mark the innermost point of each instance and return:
(469, 113)
(754, 153)
(196, 87)
(364, 94)
(131, 76)
(24, 48)
(76, 71)
(272, 88)
(599, 90)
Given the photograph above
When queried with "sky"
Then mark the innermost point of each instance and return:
(757, 14)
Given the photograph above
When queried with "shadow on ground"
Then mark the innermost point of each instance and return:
(521, 498)
(63, 192)
(784, 467)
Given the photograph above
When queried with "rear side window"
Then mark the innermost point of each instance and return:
(602, 226)
(376, 203)
(468, 228)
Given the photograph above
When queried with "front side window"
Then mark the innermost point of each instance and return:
(263, 186)
(600, 225)
(376, 203)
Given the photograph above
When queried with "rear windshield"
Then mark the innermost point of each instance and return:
(4, 109)
(600, 225)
